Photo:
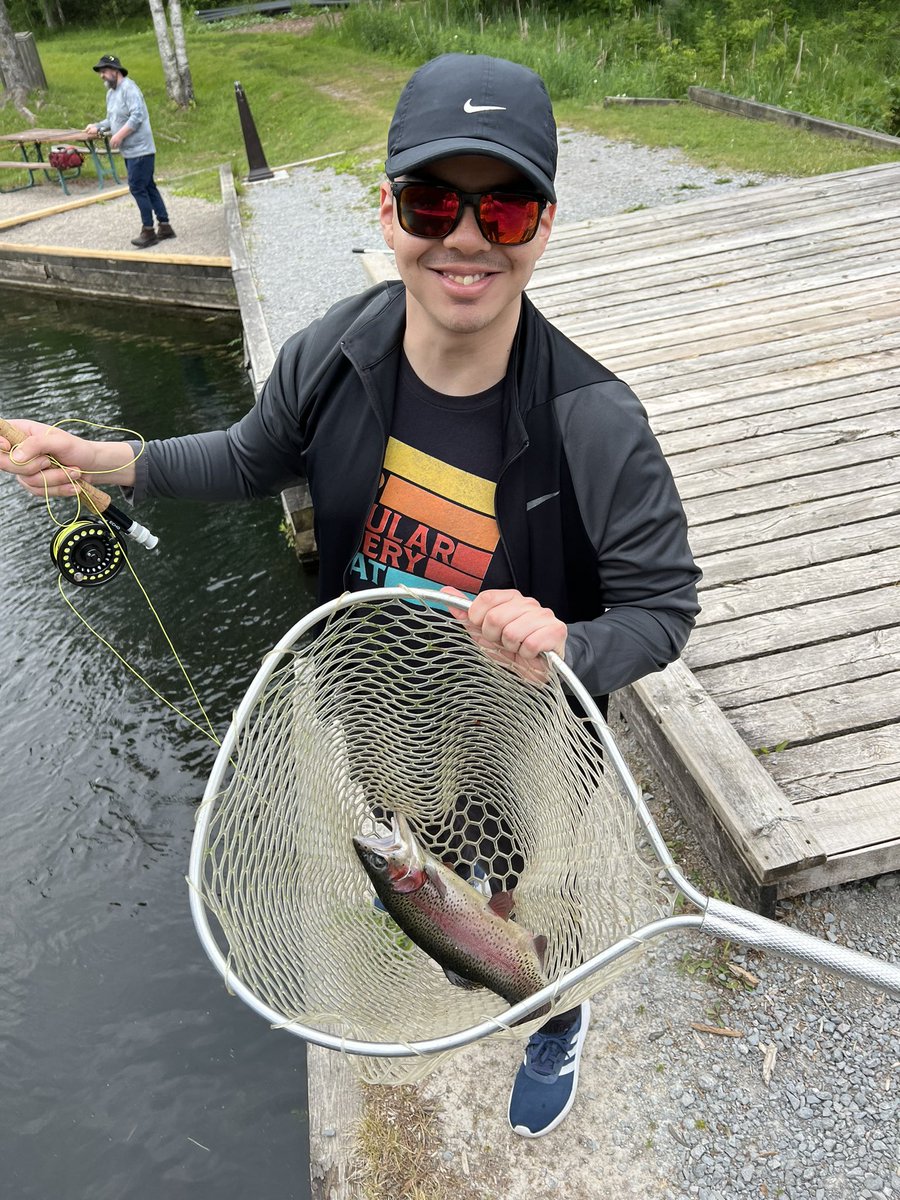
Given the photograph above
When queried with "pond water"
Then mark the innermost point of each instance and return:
(128, 1070)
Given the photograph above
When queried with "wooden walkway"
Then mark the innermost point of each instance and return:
(761, 330)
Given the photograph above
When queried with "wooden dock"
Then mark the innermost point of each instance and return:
(761, 330)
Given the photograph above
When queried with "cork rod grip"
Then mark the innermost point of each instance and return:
(97, 501)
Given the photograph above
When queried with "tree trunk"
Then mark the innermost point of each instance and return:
(174, 89)
(16, 83)
(181, 58)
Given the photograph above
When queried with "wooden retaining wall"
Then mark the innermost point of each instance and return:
(163, 280)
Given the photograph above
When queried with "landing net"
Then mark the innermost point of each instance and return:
(393, 707)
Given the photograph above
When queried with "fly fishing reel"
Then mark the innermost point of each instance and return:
(88, 553)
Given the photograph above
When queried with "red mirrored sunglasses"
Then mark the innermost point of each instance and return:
(433, 210)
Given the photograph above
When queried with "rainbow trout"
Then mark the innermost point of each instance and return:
(446, 917)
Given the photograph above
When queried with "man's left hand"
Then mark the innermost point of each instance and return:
(516, 627)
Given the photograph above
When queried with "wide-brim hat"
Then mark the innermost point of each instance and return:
(473, 104)
(109, 61)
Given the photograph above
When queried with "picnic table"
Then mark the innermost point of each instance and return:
(31, 143)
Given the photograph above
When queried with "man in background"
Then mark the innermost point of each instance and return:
(128, 124)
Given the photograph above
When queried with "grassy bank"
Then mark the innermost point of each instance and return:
(330, 86)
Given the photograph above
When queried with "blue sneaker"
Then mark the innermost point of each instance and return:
(545, 1084)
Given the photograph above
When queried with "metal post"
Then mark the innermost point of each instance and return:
(259, 168)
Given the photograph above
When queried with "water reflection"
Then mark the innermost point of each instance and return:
(128, 1070)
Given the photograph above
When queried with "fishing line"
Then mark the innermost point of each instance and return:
(89, 551)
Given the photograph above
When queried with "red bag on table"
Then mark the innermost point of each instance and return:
(65, 157)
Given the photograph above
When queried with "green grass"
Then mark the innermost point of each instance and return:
(334, 91)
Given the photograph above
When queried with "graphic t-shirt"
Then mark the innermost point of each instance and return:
(433, 523)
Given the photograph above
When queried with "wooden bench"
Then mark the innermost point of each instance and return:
(35, 168)
(267, 8)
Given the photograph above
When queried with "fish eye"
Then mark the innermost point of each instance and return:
(378, 862)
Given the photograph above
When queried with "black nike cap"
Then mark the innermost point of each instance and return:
(473, 104)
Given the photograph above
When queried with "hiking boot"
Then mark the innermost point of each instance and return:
(545, 1085)
(164, 230)
(146, 237)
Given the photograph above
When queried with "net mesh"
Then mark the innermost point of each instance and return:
(393, 707)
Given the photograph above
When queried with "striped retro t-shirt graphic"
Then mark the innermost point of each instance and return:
(432, 525)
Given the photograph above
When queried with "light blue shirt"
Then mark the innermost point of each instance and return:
(125, 106)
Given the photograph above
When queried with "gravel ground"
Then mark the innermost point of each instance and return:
(804, 1103)
(110, 224)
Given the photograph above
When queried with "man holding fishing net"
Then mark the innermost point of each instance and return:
(453, 438)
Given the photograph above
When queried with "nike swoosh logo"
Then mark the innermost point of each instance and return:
(540, 500)
(469, 107)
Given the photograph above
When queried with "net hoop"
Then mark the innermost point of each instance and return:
(580, 978)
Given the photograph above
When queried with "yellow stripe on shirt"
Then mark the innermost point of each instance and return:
(439, 477)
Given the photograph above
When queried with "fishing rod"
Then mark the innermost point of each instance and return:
(89, 551)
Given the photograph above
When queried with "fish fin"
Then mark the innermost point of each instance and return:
(435, 877)
(460, 981)
(540, 946)
(502, 904)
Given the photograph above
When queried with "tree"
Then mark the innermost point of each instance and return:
(14, 76)
(179, 87)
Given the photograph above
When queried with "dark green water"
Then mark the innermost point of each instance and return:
(128, 1073)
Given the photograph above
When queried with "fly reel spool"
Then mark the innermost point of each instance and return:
(88, 553)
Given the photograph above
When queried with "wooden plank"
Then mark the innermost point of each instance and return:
(695, 322)
(795, 520)
(786, 444)
(848, 867)
(768, 496)
(864, 758)
(848, 452)
(763, 633)
(700, 231)
(855, 185)
(722, 102)
(691, 350)
(732, 872)
(776, 389)
(791, 672)
(739, 793)
(669, 244)
(125, 256)
(56, 209)
(782, 593)
(335, 1109)
(671, 340)
(673, 288)
(877, 329)
(824, 712)
(849, 820)
(822, 546)
(256, 332)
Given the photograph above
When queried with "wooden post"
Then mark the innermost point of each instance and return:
(27, 50)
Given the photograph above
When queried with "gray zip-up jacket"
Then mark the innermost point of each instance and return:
(590, 521)
(125, 106)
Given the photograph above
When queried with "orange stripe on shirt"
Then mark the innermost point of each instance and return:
(442, 515)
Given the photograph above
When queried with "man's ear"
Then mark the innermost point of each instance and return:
(386, 214)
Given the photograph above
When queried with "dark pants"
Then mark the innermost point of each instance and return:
(144, 190)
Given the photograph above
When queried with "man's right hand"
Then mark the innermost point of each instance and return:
(93, 462)
(92, 130)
